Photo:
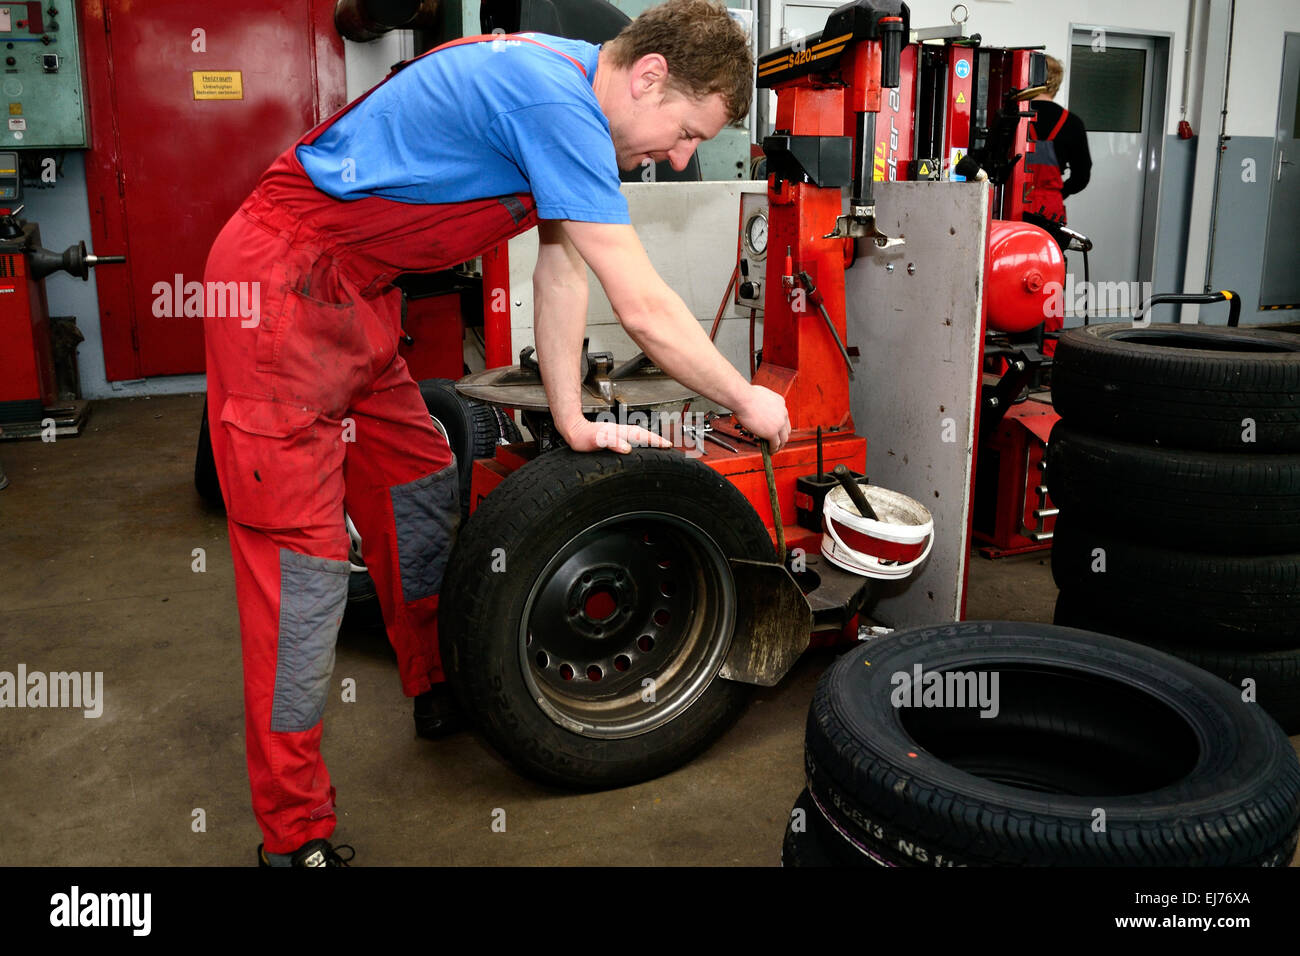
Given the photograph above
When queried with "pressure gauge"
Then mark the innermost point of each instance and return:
(756, 235)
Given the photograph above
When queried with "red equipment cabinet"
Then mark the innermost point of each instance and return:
(1013, 511)
(165, 173)
(26, 366)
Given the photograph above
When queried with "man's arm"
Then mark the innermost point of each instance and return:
(1080, 160)
(659, 322)
(560, 321)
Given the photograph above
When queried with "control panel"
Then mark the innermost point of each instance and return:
(11, 180)
(753, 250)
(42, 103)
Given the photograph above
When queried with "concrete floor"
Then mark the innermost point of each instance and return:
(97, 537)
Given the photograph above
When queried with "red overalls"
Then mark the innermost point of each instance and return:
(1045, 173)
(312, 410)
(1047, 201)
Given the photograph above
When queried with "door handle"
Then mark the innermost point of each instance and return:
(1282, 161)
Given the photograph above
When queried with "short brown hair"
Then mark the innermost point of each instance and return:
(1055, 73)
(707, 51)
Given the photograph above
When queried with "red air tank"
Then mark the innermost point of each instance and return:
(1026, 276)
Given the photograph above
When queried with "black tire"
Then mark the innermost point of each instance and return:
(1200, 501)
(473, 429)
(1184, 386)
(805, 847)
(1185, 774)
(206, 482)
(1276, 673)
(1234, 600)
(600, 515)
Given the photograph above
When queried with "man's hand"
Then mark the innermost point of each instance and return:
(764, 414)
(594, 436)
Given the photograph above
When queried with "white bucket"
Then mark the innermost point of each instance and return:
(889, 548)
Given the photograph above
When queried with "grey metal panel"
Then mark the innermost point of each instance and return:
(1239, 230)
(919, 338)
(1280, 282)
(1172, 220)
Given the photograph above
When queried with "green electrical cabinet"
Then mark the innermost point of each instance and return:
(43, 104)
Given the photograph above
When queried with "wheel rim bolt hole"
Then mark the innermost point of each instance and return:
(566, 672)
(645, 643)
(622, 663)
(662, 617)
(594, 673)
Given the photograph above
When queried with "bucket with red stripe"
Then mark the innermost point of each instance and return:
(888, 548)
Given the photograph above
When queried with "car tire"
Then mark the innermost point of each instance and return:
(1246, 601)
(1205, 388)
(1089, 730)
(580, 578)
(1200, 501)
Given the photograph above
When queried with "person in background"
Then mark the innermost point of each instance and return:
(1060, 146)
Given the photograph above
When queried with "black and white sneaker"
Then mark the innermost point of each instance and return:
(312, 853)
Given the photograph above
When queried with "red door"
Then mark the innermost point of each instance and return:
(189, 102)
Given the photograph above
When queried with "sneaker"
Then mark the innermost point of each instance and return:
(437, 714)
(312, 853)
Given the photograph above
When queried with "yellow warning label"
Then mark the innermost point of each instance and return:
(15, 109)
(214, 85)
(961, 97)
(924, 170)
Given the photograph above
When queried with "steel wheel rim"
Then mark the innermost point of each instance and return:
(583, 646)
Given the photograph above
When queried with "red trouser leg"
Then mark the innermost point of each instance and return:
(402, 494)
(275, 420)
(309, 395)
(309, 392)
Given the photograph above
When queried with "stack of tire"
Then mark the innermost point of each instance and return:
(1092, 751)
(1176, 469)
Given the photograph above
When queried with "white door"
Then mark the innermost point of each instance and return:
(1117, 87)
(1281, 280)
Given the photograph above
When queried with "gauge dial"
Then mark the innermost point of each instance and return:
(756, 235)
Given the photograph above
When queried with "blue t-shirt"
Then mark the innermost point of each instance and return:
(479, 120)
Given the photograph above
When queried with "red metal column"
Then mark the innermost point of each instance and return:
(801, 361)
(496, 307)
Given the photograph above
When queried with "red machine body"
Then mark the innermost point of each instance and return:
(26, 365)
(833, 100)
(1013, 512)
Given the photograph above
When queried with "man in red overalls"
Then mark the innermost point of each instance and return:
(312, 409)
(1060, 145)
